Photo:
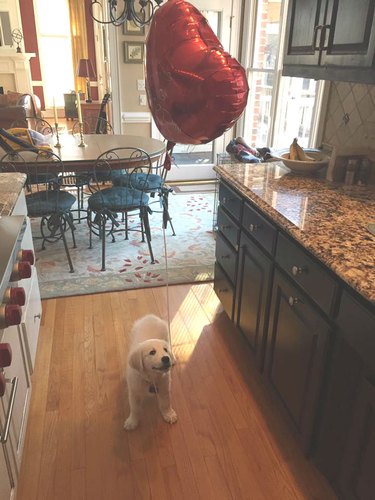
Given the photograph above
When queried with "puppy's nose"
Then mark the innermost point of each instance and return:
(165, 360)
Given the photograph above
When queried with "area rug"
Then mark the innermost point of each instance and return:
(190, 253)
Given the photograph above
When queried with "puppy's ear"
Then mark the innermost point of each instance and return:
(136, 360)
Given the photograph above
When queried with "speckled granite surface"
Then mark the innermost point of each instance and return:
(10, 187)
(327, 219)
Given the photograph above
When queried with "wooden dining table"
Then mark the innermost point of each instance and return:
(79, 159)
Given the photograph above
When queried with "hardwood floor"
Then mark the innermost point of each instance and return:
(228, 443)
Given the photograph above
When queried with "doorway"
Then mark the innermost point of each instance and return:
(195, 162)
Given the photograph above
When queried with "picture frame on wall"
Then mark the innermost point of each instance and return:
(130, 28)
(134, 52)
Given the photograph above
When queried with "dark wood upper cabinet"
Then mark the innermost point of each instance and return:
(350, 34)
(301, 35)
(331, 40)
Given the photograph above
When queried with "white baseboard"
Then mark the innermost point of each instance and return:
(135, 117)
(191, 173)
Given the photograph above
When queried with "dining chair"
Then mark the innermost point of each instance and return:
(108, 201)
(96, 124)
(153, 184)
(93, 125)
(46, 199)
(39, 125)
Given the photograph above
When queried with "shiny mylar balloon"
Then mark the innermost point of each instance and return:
(196, 91)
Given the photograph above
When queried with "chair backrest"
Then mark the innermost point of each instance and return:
(37, 124)
(42, 169)
(132, 160)
(90, 126)
(41, 125)
(164, 163)
(102, 114)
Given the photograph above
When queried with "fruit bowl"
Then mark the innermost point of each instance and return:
(318, 161)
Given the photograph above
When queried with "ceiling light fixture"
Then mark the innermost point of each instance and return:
(140, 12)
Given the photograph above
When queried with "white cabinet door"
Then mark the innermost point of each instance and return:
(31, 322)
(17, 369)
(6, 479)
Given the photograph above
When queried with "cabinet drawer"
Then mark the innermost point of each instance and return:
(226, 257)
(259, 228)
(310, 275)
(224, 290)
(31, 323)
(231, 201)
(228, 227)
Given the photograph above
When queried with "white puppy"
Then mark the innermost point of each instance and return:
(149, 363)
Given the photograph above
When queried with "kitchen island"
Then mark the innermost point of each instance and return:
(11, 185)
(330, 220)
(295, 272)
(20, 316)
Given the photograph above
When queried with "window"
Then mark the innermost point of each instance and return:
(279, 108)
(55, 49)
(202, 153)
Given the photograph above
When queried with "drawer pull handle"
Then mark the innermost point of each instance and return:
(223, 290)
(254, 227)
(293, 301)
(298, 270)
(14, 382)
(225, 257)
(225, 227)
(37, 316)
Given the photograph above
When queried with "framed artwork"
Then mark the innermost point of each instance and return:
(134, 52)
(130, 28)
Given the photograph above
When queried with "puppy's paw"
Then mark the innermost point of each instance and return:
(170, 416)
(130, 424)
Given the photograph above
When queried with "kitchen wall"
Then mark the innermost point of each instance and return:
(137, 119)
(350, 119)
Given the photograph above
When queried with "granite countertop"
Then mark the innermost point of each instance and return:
(328, 219)
(11, 185)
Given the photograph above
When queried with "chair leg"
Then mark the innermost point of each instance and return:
(142, 230)
(90, 230)
(166, 217)
(125, 214)
(144, 216)
(69, 219)
(102, 230)
(65, 244)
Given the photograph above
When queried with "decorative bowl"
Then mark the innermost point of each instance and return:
(318, 161)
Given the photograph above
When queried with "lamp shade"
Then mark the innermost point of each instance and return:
(85, 69)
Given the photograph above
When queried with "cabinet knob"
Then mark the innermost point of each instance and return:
(254, 227)
(293, 301)
(37, 316)
(26, 256)
(297, 270)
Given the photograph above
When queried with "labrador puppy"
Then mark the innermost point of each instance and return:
(149, 363)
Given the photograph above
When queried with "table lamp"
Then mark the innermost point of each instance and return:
(85, 70)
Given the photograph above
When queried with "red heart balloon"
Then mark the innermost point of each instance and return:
(196, 91)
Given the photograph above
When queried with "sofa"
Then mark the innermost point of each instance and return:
(15, 108)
